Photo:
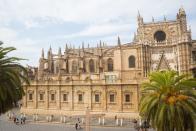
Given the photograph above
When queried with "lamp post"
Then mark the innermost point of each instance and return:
(87, 119)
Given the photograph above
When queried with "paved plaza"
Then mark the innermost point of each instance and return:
(8, 125)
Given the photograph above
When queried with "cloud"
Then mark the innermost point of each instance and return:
(95, 19)
(6, 34)
(101, 30)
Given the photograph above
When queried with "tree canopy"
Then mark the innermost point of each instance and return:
(168, 101)
(12, 77)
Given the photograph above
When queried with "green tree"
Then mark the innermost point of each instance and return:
(12, 77)
(168, 101)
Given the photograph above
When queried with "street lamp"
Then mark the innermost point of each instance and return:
(87, 119)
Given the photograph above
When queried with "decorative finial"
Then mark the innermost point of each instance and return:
(152, 19)
(59, 52)
(79, 51)
(66, 47)
(83, 46)
(119, 42)
(43, 53)
(138, 14)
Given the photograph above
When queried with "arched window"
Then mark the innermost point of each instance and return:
(74, 67)
(110, 64)
(131, 61)
(91, 65)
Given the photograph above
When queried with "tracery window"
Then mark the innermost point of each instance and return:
(91, 66)
(194, 56)
(30, 96)
(112, 98)
(131, 61)
(80, 97)
(65, 97)
(110, 64)
(127, 98)
(97, 97)
(52, 97)
(41, 96)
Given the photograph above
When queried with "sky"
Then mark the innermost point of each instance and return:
(30, 25)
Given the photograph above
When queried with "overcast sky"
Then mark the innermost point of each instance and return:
(30, 25)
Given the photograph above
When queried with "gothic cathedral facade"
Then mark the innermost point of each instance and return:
(107, 79)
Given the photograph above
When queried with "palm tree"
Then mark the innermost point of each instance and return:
(168, 101)
(12, 77)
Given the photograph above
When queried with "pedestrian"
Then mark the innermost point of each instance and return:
(115, 117)
(21, 119)
(14, 119)
(76, 126)
(79, 127)
(24, 119)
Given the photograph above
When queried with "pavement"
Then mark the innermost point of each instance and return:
(43, 125)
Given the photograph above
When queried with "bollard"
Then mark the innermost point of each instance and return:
(121, 121)
(47, 118)
(82, 120)
(50, 118)
(64, 119)
(61, 119)
(99, 121)
(36, 117)
(117, 121)
(103, 121)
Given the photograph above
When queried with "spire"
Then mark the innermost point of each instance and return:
(119, 42)
(182, 11)
(50, 49)
(100, 44)
(42, 53)
(50, 53)
(139, 19)
(66, 47)
(134, 38)
(59, 52)
(138, 14)
(165, 18)
(82, 46)
(79, 51)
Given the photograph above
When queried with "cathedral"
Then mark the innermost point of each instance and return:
(107, 79)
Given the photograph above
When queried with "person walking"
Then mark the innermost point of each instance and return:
(76, 126)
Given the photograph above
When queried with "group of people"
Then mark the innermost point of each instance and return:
(77, 125)
(143, 126)
(17, 119)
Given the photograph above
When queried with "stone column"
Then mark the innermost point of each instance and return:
(103, 121)
(105, 99)
(47, 95)
(121, 121)
(59, 95)
(117, 121)
(99, 121)
(72, 97)
(120, 99)
(35, 101)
